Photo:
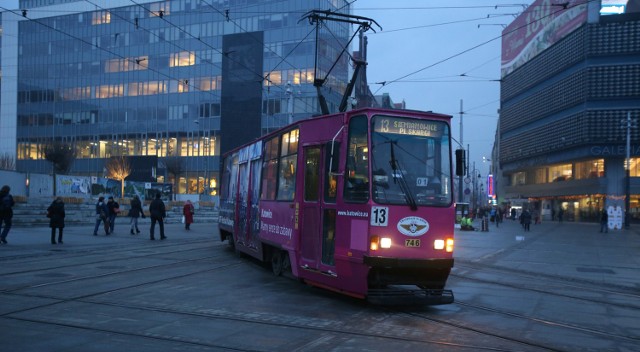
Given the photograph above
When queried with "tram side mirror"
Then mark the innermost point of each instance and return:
(460, 162)
(333, 156)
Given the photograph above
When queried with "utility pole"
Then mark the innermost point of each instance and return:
(289, 93)
(462, 146)
(627, 167)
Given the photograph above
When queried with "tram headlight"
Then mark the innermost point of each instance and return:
(385, 242)
(446, 244)
(377, 242)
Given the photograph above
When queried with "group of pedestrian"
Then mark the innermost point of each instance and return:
(105, 214)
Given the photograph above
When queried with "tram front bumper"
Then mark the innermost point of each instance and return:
(386, 262)
(424, 273)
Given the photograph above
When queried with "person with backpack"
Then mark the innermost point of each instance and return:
(101, 216)
(56, 215)
(6, 212)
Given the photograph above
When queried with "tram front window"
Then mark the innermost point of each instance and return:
(410, 162)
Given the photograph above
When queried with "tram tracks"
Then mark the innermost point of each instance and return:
(557, 291)
(95, 298)
(540, 283)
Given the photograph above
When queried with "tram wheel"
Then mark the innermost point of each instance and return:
(277, 262)
(232, 244)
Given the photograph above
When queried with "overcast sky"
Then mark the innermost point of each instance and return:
(422, 51)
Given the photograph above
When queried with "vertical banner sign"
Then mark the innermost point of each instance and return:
(490, 192)
(241, 96)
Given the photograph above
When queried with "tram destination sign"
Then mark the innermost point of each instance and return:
(410, 127)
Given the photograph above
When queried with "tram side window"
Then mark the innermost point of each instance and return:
(311, 173)
(270, 169)
(226, 181)
(356, 186)
(331, 179)
(287, 167)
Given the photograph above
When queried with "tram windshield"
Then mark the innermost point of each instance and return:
(410, 162)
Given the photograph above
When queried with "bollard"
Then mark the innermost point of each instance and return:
(485, 224)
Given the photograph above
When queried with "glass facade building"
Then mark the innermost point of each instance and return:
(172, 84)
(571, 78)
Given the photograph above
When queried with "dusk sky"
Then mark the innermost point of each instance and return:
(434, 53)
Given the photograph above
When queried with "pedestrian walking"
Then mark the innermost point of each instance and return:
(604, 220)
(101, 216)
(6, 212)
(526, 219)
(114, 209)
(158, 213)
(55, 213)
(134, 213)
(187, 212)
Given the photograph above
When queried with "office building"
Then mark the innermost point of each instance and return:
(570, 80)
(170, 84)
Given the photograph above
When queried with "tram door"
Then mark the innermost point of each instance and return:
(318, 209)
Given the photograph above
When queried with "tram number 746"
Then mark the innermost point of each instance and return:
(412, 242)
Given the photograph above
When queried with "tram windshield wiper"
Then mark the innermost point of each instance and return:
(399, 178)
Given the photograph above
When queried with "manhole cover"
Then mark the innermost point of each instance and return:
(595, 270)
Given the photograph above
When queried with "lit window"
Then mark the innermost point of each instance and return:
(275, 77)
(183, 58)
(101, 17)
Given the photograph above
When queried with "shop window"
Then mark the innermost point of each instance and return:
(560, 173)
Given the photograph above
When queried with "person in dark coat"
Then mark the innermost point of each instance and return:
(6, 212)
(134, 213)
(114, 209)
(604, 220)
(56, 214)
(158, 213)
(526, 219)
(101, 216)
(188, 211)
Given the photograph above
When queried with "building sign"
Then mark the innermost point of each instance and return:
(541, 25)
(618, 7)
(410, 127)
(490, 191)
(614, 150)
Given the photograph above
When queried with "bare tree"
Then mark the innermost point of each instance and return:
(118, 168)
(7, 162)
(175, 167)
(61, 156)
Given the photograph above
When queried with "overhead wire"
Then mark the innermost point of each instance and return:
(269, 49)
(386, 83)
